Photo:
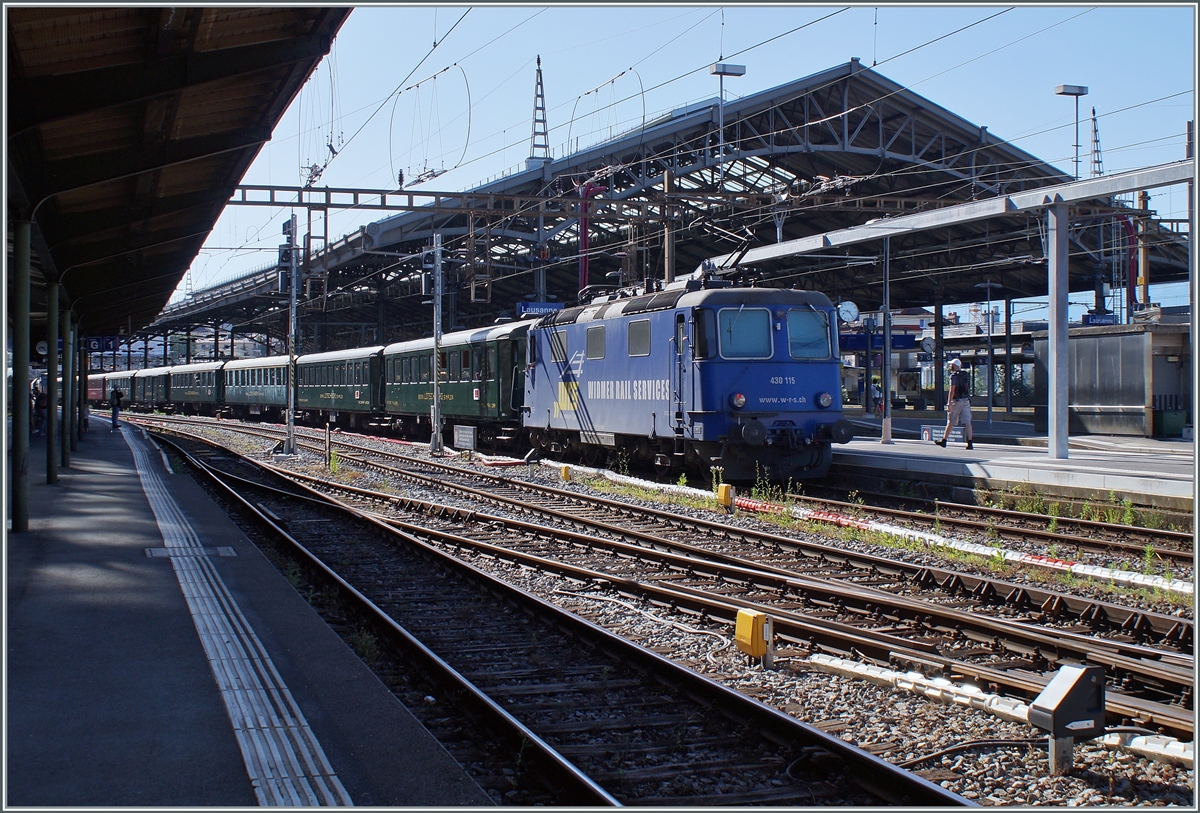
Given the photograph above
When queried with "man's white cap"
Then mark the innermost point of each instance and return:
(955, 363)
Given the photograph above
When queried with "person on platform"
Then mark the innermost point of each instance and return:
(41, 405)
(958, 404)
(115, 402)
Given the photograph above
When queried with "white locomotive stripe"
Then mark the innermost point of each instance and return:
(284, 760)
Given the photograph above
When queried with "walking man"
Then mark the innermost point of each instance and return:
(958, 404)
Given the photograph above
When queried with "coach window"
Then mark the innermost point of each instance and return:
(489, 367)
(639, 338)
(745, 333)
(465, 355)
(455, 367)
(595, 342)
(425, 369)
(558, 346)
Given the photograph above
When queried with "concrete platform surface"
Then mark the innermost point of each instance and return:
(1151, 471)
(156, 658)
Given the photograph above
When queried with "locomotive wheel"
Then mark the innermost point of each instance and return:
(593, 455)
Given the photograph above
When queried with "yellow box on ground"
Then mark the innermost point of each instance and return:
(749, 633)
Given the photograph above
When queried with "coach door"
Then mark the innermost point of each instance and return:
(679, 380)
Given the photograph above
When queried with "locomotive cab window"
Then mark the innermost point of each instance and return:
(595, 342)
(745, 333)
(639, 338)
(808, 334)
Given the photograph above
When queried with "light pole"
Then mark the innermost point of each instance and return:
(435, 411)
(723, 69)
(989, 285)
(293, 343)
(1076, 91)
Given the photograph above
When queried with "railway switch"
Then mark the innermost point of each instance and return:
(755, 635)
(1070, 708)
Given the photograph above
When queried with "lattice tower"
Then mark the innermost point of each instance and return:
(539, 142)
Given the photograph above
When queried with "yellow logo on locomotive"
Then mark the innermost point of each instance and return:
(568, 397)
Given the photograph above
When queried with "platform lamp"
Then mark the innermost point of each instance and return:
(1076, 91)
(723, 69)
(989, 285)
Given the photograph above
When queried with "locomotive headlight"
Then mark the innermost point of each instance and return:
(738, 400)
(824, 400)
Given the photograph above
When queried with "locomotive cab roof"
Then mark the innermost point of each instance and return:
(684, 294)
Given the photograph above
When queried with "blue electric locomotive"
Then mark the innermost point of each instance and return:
(700, 374)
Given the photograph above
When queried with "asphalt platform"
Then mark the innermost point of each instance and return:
(155, 658)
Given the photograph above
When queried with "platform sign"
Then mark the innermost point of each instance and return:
(1099, 318)
(464, 437)
(101, 344)
(537, 308)
(935, 433)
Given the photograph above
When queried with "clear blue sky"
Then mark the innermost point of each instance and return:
(466, 105)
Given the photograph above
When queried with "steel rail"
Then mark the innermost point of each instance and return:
(1178, 631)
(578, 787)
(879, 776)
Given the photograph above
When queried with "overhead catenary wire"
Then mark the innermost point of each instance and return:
(892, 174)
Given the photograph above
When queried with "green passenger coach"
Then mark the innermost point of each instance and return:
(198, 389)
(481, 381)
(344, 386)
(257, 387)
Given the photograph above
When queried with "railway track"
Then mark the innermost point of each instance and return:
(1074, 534)
(1037, 533)
(588, 718)
(843, 603)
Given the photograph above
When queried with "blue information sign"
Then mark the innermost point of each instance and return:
(100, 344)
(537, 308)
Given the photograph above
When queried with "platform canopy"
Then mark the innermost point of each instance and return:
(838, 149)
(128, 129)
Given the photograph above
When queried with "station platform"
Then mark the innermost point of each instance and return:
(1010, 456)
(155, 658)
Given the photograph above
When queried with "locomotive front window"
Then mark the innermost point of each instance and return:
(808, 334)
(639, 338)
(745, 333)
(595, 342)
